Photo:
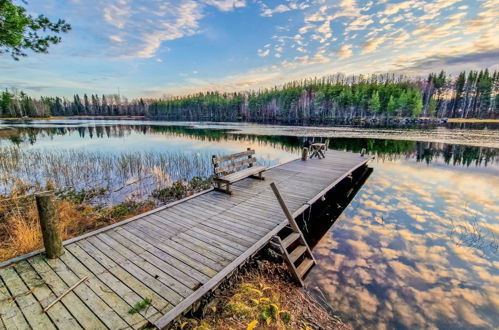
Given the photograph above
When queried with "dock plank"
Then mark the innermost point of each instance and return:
(58, 314)
(24, 298)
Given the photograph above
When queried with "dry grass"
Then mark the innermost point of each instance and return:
(6, 132)
(20, 232)
(472, 120)
(264, 297)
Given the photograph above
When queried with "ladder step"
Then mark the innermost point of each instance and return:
(304, 266)
(290, 239)
(300, 249)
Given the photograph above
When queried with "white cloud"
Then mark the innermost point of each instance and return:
(117, 39)
(267, 12)
(344, 52)
(263, 53)
(145, 25)
(372, 44)
(226, 5)
(117, 14)
(394, 8)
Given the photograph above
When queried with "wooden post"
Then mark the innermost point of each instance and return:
(47, 214)
(249, 157)
(215, 164)
(327, 144)
(304, 154)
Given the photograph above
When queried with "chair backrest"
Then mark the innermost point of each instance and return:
(233, 162)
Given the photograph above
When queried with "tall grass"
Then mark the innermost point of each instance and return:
(20, 229)
(123, 175)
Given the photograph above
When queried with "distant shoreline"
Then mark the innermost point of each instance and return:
(449, 120)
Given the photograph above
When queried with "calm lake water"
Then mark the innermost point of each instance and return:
(416, 248)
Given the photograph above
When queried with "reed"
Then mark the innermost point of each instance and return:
(122, 175)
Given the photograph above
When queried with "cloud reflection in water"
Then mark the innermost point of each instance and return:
(389, 261)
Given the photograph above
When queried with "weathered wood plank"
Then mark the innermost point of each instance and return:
(10, 314)
(147, 273)
(117, 303)
(24, 298)
(185, 282)
(85, 316)
(178, 248)
(121, 272)
(121, 287)
(234, 165)
(58, 314)
(103, 311)
(178, 260)
(233, 156)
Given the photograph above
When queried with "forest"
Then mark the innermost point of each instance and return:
(473, 94)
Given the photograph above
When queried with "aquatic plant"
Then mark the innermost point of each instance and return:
(82, 174)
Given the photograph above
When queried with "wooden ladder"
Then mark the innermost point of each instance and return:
(294, 248)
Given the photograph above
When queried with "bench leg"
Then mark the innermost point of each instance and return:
(258, 176)
(227, 188)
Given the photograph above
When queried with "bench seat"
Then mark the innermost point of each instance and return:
(236, 176)
(228, 169)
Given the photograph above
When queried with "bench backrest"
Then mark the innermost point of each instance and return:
(233, 162)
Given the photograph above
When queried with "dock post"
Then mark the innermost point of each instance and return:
(47, 214)
(304, 154)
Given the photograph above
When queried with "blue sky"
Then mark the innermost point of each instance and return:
(153, 48)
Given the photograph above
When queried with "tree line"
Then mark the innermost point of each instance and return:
(18, 104)
(473, 94)
(469, 95)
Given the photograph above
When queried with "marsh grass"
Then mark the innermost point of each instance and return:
(122, 176)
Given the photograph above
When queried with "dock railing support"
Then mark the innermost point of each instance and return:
(304, 154)
(47, 213)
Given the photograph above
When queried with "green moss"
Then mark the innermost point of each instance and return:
(239, 309)
(141, 305)
(285, 316)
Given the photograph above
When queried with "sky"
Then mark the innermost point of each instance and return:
(160, 48)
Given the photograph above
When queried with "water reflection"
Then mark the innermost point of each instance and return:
(110, 136)
(392, 261)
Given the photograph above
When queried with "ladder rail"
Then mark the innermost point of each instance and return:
(307, 258)
(291, 219)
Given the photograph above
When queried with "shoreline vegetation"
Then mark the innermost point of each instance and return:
(473, 94)
(77, 211)
(120, 117)
(262, 296)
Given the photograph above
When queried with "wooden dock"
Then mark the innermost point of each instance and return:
(173, 255)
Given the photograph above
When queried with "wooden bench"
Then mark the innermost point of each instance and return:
(232, 168)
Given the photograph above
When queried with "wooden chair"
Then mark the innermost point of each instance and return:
(232, 168)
